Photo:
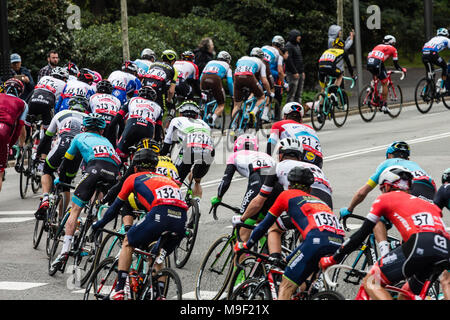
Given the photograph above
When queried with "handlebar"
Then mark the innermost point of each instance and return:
(399, 72)
(352, 80)
(327, 277)
(214, 209)
(353, 216)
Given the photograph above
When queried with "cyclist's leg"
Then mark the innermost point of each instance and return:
(239, 83)
(5, 135)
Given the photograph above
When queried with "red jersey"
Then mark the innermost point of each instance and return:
(383, 52)
(306, 212)
(408, 213)
(12, 110)
(152, 189)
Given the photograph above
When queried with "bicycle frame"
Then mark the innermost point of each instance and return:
(326, 105)
(390, 84)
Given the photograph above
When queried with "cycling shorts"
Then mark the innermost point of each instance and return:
(159, 219)
(376, 68)
(199, 170)
(135, 130)
(41, 106)
(328, 70)
(246, 81)
(56, 156)
(183, 89)
(423, 190)
(214, 83)
(304, 260)
(430, 58)
(5, 136)
(199, 162)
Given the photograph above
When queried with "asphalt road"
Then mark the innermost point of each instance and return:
(351, 155)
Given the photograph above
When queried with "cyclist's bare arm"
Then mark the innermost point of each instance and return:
(359, 196)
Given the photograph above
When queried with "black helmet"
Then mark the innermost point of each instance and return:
(301, 176)
(145, 159)
(85, 75)
(148, 143)
(147, 92)
(400, 149)
(188, 55)
(14, 86)
(71, 68)
(446, 176)
(129, 66)
(104, 86)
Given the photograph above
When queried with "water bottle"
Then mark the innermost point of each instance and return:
(161, 257)
(134, 283)
(439, 85)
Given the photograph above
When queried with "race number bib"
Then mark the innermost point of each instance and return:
(157, 74)
(168, 192)
(423, 219)
(198, 141)
(327, 221)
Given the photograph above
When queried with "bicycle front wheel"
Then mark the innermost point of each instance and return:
(103, 280)
(245, 289)
(38, 231)
(25, 173)
(395, 101)
(215, 271)
(166, 285)
(366, 106)
(184, 249)
(423, 95)
(446, 100)
(317, 115)
(327, 295)
(252, 268)
(341, 109)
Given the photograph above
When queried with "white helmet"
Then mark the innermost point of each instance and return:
(148, 54)
(257, 52)
(389, 40)
(293, 107)
(442, 32)
(396, 176)
(60, 73)
(223, 55)
(278, 41)
(290, 146)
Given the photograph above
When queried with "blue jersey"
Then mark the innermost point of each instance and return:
(73, 87)
(124, 83)
(437, 44)
(143, 66)
(418, 173)
(250, 66)
(274, 58)
(222, 69)
(92, 146)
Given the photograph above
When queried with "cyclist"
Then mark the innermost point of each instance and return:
(320, 229)
(211, 79)
(102, 165)
(423, 186)
(148, 56)
(188, 83)
(103, 102)
(197, 149)
(375, 64)
(430, 54)
(162, 199)
(125, 81)
(13, 112)
(162, 77)
(80, 86)
(419, 222)
(292, 127)
(65, 125)
(144, 120)
(250, 163)
(72, 69)
(249, 70)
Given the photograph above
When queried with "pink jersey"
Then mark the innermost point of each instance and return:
(383, 52)
(247, 161)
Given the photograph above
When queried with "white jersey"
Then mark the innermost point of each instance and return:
(50, 84)
(120, 80)
(186, 70)
(437, 44)
(194, 134)
(248, 161)
(140, 108)
(66, 123)
(105, 104)
(272, 55)
(77, 87)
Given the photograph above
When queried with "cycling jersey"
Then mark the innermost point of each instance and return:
(142, 109)
(273, 57)
(167, 168)
(442, 196)
(124, 84)
(304, 133)
(50, 84)
(143, 66)
(66, 123)
(383, 52)
(333, 60)
(105, 104)
(211, 79)
(186, 70)
(437, 44)
(73, 87)
(194, 134)
(250, 66)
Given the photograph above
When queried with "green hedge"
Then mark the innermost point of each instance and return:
(99, 46)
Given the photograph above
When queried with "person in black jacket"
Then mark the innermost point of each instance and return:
(23, 74)
(295, 74)
(204, 53)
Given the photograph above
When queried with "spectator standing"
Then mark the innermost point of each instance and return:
(204, 53)
(295, 74)
(23, 74)
(334, 32)
(53, 60)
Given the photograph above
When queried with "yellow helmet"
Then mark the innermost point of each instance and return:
(338, 43)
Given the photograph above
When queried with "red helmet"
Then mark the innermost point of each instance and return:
(14, 86)
(85, 75)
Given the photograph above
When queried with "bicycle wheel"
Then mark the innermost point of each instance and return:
(244, 290)
(327, 295)
(184, 249)
(317, 116)
(215, 270)
(340, 110)
(423, 95)
(234, 129)
(261, 291)
(103, 280)
(109, 247)
(57, 240)
(24, 179)
(38, 231)
(395, 101)
(55, 211)
(166, 285)
(365, 104)
(446, 100)
(252, 268)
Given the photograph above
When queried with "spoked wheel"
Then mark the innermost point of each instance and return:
(327, 295)
(166, 285)
(25, 173)
(341, 109)
(103, 280)
(240, 275)
(366, 104)
(446, 100)
(35, 180)
(395, 101)
(237, 127)
(53, 217)
(423, 95)
(38, 231)
(184, 249)
(317, 115)
(58, 240)
(245, 289)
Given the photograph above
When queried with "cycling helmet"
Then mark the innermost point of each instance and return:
(278, 41)
(129, 66)
(94, 121)
(169, 55)
(148, 54)
(145, 159)
(338, 43)
(148, 143)
(225, 56)
(246, 142)
(257, 52)
(71, 68)
(446, 176)
(14, 87)
(104, 86)
(398, 177)
(442, 32)
(147, 92)
(293, 107)
(60, 73)
(97, 76)
(79, 103)
(188, 56)
(399, 149)
(85, 75)
(189, 109)
(300, 176)
(290, 147)
(389, 40)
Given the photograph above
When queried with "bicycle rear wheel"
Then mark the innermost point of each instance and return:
(25, 173)
(38, 231)
(366, 109)
(327, 295)
(103, 280)
(57, 241)
(340, 111)
(395, 101)
(244, 290)
(215, 271)
(184, 249)
(251, 266)
(423, 95)
(55, 211)
(317, 116)
(446, 100)
(166, 285)
(235, 128)
(262, 291)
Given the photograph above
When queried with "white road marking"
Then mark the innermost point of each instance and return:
(18, 212)
(15, 220)
(18, 286)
